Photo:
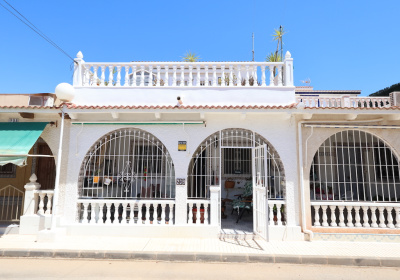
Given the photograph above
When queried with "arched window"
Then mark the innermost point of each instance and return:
(128, 163)
(227, 154)
(354, 165)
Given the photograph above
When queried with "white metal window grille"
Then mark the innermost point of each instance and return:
(234, 145)
(11, 203)
(354, 165)
(128, 163)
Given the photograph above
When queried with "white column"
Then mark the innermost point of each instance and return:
(198, 79)
(124, 220)
(214, 204)
(147, 222)
(166, 77)
(163, 213)
(271, 75)
(85, 219)
(126, 84)
(30, 203)
(150, 76)
(134, 77)
(349, 216)
(142, 75)
(158, 76)
(279, 67)
(190, 82)
(247, 78)
(102, 75)
(118, 76)
(110, 75)
(206, 76)
(341, 216)
(324, 216)
(239, 76)
(389, 217)
(263, 83)
(381, 217)
(182, 75)
(231, 75)
(214, 82)
(78, 70)
(357, 218)
(316, 218)
(365, 216)
(49, 203)
(373, 217)
(223, 75)
(288, 70)
(174, 76)
(140, 214)
(206, 208)
(333, 216)
(190, 214)
(41, 203)
(108, 213)
(397, 209)
(279, 214)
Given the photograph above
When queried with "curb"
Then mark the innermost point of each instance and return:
(202, 257)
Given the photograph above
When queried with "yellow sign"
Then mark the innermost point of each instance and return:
(181, 145)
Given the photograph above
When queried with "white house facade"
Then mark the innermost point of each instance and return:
(168, 149)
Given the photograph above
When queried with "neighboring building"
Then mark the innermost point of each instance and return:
(159, 158)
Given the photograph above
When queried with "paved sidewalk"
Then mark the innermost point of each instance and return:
(196, 249)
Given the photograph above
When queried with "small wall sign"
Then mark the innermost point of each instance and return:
(180, 181)
(181, 146)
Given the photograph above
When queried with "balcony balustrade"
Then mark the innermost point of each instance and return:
(344, 102)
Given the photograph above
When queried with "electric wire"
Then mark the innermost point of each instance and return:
(35, 29)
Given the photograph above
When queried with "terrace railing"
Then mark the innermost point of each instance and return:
(355, 214)
(183, 74)
(344, 102)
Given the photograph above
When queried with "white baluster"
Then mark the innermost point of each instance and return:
(198, 205)
(381, 217)
(124, 220)
(103, 75)
(373, 217)
(324, 216)
(126, 84)
(271, 75)
(110, 75)
(231, 75)
(158, 76)
(333, 215)
(147, 222)
(41, 204)
(397, 210)
(271, 215)
(162, 213)
(247, 78)
(239, 76)
(214, 81)
(206, 76)
(95, 78)
(118, 76)
(85, 213)
(389, 217)
(341, 216)
(190, 82)
(365, 216)
(49, 203)
(134, 77)
(223, 76)
(86, 75)
(96, 213)
(190, 219)
(108, 213)
(182, 75)
(142, 75)
(349, 216)
(279, 67)
(357, 218)
(174, 76)
(140, 214)
(263, 82)
(166, 77)
(279, 214)
(255, 77)
(171, 213)
(150, 76)
(198, 80)
(206, 208)
(316, 218)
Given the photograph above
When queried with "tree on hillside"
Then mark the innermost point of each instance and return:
(386, 90)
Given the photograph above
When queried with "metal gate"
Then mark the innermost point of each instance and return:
(11, 204)
(260, 198)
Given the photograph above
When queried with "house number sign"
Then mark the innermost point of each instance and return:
(180, 181)
(181, 145)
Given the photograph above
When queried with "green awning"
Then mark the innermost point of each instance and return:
(16, 139)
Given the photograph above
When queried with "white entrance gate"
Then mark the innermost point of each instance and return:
(260, 198)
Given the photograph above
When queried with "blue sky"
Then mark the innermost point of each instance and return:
(337, 44)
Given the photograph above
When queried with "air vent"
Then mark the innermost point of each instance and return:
(36, 101)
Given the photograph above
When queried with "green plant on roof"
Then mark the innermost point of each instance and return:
(190, 57)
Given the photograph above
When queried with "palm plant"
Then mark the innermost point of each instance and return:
(190, 57)
(278, 36)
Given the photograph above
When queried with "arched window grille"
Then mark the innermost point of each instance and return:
(227, 153)
(354, 165)
(128, 163)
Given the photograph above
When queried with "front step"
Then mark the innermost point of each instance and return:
(236, 235)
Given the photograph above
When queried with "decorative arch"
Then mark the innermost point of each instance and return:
(127, 163)
(355, 165)
(227, 153)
